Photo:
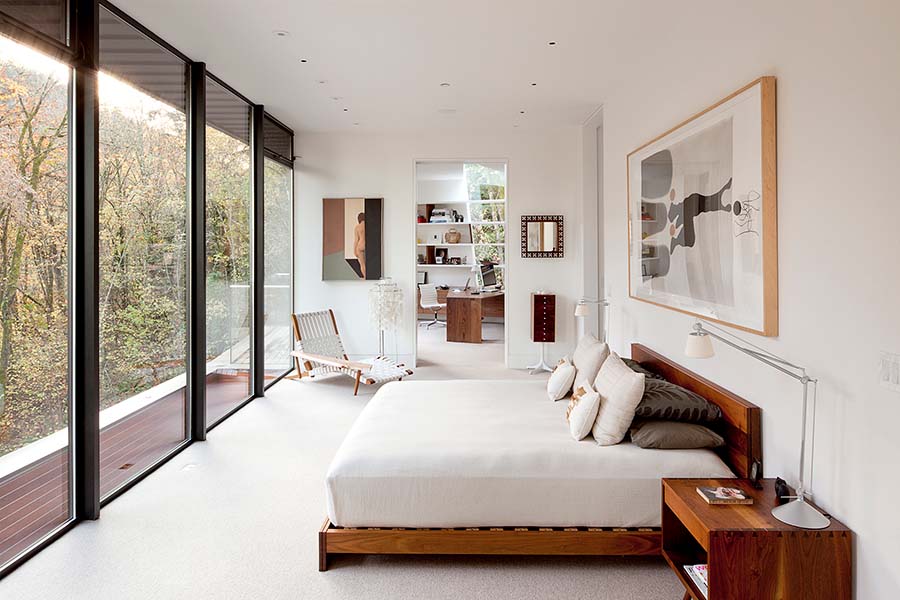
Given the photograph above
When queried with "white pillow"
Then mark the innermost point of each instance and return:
(560, 382)
(620, 391)
(582, 411)
(588, 357)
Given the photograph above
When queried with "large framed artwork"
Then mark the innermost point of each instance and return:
(351, 239)
(702, 214)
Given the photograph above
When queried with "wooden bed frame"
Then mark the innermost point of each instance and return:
(740, 427)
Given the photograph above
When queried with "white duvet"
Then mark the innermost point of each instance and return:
(492, 453)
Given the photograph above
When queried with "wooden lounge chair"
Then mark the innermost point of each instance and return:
(319, 351)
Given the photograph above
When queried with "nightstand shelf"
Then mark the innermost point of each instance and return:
(750, 554)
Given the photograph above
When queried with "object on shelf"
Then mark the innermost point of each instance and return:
(699, 574)
(441, 215)
(724, 495)
(782, 491)
(452, 236)
(421, 219)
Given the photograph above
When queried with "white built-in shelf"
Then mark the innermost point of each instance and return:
(463, 202)
(453, 266)
(465, 244)
(500, 223)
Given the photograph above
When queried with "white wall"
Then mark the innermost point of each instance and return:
(542, 179)
(589, 220)
(838, 70)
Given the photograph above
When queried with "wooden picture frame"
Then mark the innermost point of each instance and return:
(739, 427)
(713, 241)
(558, 237)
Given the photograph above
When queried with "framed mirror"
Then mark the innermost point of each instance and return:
(542, 236)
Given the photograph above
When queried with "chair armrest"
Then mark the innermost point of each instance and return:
(331, 361)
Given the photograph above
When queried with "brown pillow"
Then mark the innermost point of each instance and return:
(673, 435)
(639, 368)
(664, 400)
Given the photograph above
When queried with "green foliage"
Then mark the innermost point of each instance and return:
(143, 216)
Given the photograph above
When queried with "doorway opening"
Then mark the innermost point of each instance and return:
(461, 269)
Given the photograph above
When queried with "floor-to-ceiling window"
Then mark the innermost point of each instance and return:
(122, 276)
(34, 297)
(143, 246)
(278, 215)
(228, 257)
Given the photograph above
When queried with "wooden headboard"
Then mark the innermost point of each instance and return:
(740, 424)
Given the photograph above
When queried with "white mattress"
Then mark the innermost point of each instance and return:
(492, 453)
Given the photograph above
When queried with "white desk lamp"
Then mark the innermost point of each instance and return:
(798, 512)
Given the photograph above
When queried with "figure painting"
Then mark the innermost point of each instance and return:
(702, 214)
(351, 239)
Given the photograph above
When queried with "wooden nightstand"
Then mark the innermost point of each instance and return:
(751, 555)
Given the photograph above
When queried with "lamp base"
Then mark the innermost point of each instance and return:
(800, 513)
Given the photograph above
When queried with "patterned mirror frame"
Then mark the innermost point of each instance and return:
(560, 236)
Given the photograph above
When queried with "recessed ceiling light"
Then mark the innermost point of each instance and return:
(335, 98)
(551, 43)
(356, 123)
(303, 60)
(346, 110)
(322, 81)
(521, 112)
(533, 84)
(447, 111)
(281, 33)
(515, 125)
(445, 84)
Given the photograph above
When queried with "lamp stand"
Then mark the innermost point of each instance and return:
(798, 512)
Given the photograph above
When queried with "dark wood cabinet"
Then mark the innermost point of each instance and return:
(543, 317)
(750, 554)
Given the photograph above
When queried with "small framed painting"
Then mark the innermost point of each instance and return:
(702, 220)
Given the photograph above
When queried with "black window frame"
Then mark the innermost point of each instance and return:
(81, 54)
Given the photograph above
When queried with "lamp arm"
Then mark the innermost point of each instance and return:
(761, 355)
(785, 367)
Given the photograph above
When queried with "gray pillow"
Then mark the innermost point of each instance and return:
(639, 368)
(665, 400)
(672, 435)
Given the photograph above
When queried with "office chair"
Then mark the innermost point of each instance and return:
(429, 301)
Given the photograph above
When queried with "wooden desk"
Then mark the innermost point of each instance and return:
(465, 311)
(751, 555)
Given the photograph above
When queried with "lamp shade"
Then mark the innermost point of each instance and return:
(582, 309)
(699, 345)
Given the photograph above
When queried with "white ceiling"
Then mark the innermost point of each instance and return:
(385, 60)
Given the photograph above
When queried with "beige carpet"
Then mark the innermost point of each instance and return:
(236, 517)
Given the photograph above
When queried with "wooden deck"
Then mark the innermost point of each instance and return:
(35, 500)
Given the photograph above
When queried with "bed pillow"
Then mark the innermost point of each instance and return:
(674, 435)
(663, 400)
(620, 391)
(589, 355)
(639, 368)
(561, 379)
(582, 411)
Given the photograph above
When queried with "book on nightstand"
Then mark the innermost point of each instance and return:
(724, 495)
(699, 574)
